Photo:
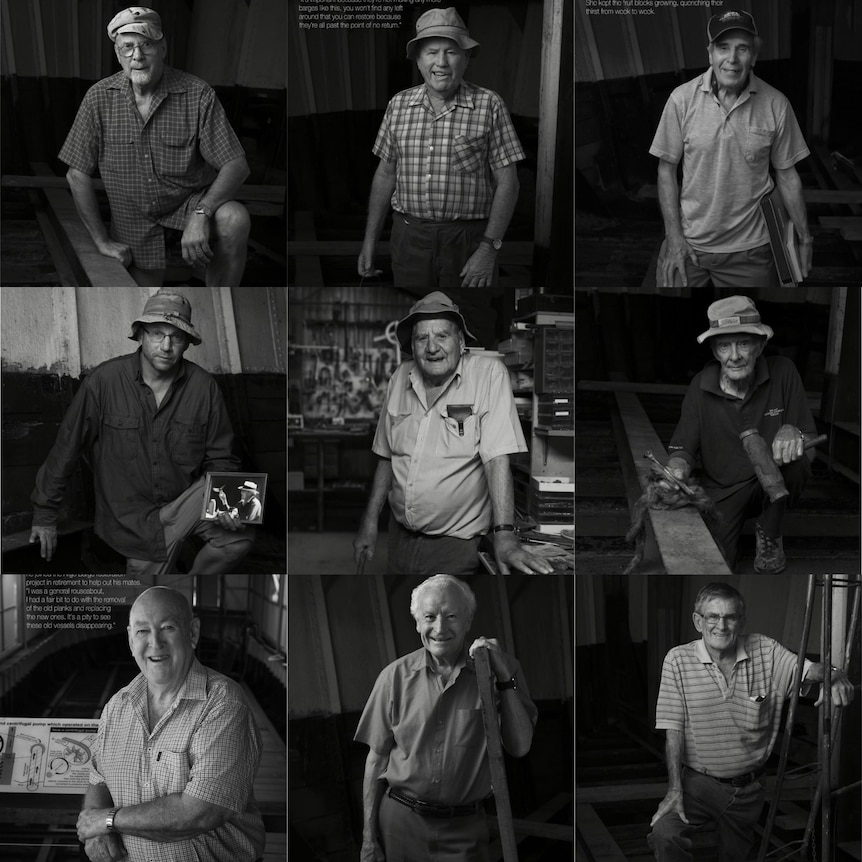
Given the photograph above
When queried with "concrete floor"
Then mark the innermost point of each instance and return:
(330, 554)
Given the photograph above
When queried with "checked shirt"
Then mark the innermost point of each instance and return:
(444, 163)
(155, 170)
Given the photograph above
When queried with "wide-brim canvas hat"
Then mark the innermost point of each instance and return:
(730, 19)
(731, 315)
(168, 306)
(136, 19)
(435, 304)
(442, 23)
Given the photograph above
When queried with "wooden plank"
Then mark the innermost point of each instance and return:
(685, 544)
(65, 270)
(518, 253)
(833, 175)
(595, 835)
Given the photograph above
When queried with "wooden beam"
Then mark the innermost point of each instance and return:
(517, 253)
(595, 835)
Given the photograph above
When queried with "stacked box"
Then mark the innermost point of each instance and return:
(552, 503)
(555, 412)
(554, 359)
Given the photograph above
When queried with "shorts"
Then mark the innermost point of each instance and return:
(754, 267)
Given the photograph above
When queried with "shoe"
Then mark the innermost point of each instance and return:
(769, 559)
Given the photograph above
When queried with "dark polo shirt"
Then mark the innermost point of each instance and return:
(711, 421)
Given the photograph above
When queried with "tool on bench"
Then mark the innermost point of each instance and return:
(495, 754)
(760, 455)
(675, 483)
(360, 566)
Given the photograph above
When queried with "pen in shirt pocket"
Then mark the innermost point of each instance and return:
(158, 757)
(759, 699)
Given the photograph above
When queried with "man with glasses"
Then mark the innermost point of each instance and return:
(738, 391)
(720, 704)
(168, 158)
(150, 424)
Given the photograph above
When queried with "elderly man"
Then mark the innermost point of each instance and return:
(741, 390)
(177, 751)
(727, 127)
(427, 773)
(168, 157)
(447, 151)
(249, 504)
(150, 424)
(720, 703)
(446, 430)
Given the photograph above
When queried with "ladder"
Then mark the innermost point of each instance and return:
(829, 719)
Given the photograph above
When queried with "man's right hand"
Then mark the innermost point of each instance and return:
(365, 264)
(671, 802)
(117, 250)
(365, 542)
(47, 537)
(371, 851)
(105, 848)
(676, 251)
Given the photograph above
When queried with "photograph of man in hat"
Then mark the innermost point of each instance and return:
(150, 424)
(447, 427)
(168, 157)
(726, 128)
(249, 506)
(739, 390)
(448, 154)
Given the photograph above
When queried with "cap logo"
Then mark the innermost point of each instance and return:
(728, 321)
(734, 321)
(728, 15)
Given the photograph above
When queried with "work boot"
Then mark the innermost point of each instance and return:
(769, 559)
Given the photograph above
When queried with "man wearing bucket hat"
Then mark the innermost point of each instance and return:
(446, 430)
(448, 154)
(168, 157)
(740, 390)
(150, 424)
(727, 127)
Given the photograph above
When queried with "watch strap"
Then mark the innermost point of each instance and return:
(109, 820)
(509, 528)
(508, 684)
(496, 244)
(204, 210)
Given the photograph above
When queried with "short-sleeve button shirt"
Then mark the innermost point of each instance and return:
(438, 478)
(206, 745)
(444, 162)
(155, 170)
(725, 159)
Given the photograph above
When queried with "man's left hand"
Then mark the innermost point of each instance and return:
(509, 554)
(479, 269)
(196, 241)
(842, 689)
(502, 665)
(787, 444)
(92, 822)
(229, 522)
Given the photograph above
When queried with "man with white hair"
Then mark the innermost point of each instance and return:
(168, 157)
(427, 773)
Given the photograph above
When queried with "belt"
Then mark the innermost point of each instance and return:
(442, 222)
(428, 809)
(737, 780)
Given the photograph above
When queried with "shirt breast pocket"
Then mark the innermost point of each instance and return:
(469, 731)
(170, 771)
(187, 443)
(400, 438)
(468, 154)
(757, 712)
(175, 153)
(458, 441)
(121, 436)
(759, 145)
(118, 154)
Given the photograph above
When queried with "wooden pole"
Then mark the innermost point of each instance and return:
(495, 755)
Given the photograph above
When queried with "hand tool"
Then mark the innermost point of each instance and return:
(760, 455)
(676, 483)
(360, 566)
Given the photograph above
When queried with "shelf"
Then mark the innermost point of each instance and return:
(554, 432)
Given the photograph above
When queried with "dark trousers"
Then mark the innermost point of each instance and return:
(417, 554)
(749, 500)
(733, 810)
(431, 254)
(733, 269)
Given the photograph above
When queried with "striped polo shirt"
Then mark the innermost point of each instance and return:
(730, 726)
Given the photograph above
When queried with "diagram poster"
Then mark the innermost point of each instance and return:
(41, 755)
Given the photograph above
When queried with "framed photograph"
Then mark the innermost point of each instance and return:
(242, 495)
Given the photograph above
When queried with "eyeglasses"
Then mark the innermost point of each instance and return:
(712, 619)
(127, 49)
(156, 336)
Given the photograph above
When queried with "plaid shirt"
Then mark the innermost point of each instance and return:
(142, 456)
(155, 170)
(206, 745)
(444, 163)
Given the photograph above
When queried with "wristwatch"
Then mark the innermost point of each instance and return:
(509, 683)
(496, 244)
(200, 209)
(509, 528)
(109, 820)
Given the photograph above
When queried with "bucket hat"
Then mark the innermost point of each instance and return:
(168, 306)
(136, 19)
(730, 19)
(442, 23)
(731, 315)
(435, 304)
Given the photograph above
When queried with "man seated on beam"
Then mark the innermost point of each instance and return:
(168, 158)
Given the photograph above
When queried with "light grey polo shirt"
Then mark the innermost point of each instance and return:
(725, 159)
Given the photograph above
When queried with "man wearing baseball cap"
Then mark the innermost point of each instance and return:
(168, 157)
(151, 424)
(739, 389)
(727, 127)
(446, 430)
(448, 154)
